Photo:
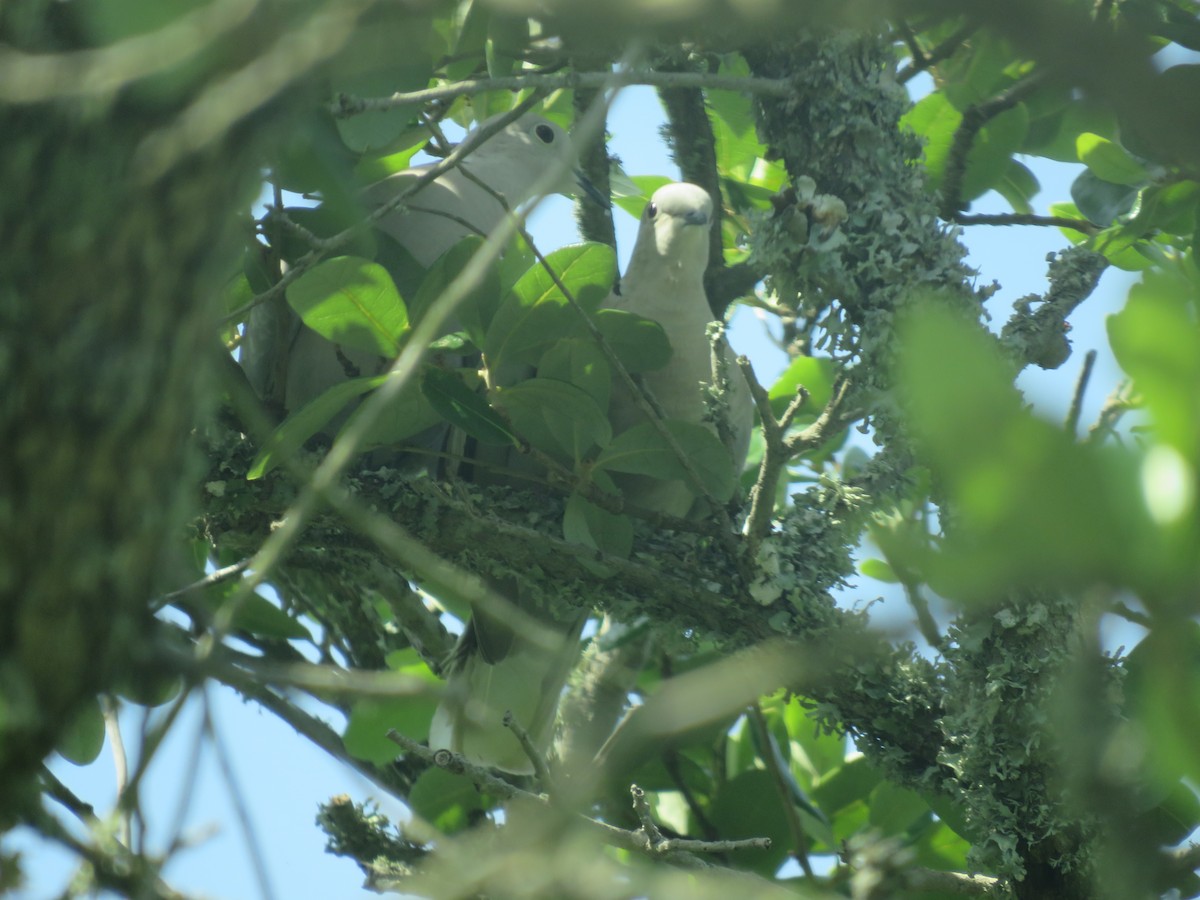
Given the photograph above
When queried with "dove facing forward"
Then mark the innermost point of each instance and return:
(432, 221)
(498, 666)
(665, 282)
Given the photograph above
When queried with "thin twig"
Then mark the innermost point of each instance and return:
(345, 105)
(1118, 403)
(972, 122)
(944, 50)
(238, 798)
(215, 577)
(1085, 374)
(1081, 225)
(540, 769)
(56, 790)
(112, 728)
(770, 756)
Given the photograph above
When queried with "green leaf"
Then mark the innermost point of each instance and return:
(737, 145)
(406, 416)
(845, 785)
(878, 569)
(353, 302)
(370, 718)
(895, 810)
(1100, 201)
(646, 186)
(641, 450)
(478, 306)
(83, 738)
(507, 37)
(1124, 247)
(1108, 161)
(324, 221)
(814, 752)
(469, 47)
(407, 274)
(150, 688)
(390, 50)
(815, 374)
(444, 799)
(992, 150)
(580, 362)
(747, 806)
(1156, 340)
(587, 524)
(307, 421)
(1018, 186)
(555, 416)
(936, 120)
(462, 407)
(259, 616)
(640, 344)
(536, 313)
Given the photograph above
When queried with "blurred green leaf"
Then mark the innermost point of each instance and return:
(851, 782)
(370, 718)
(536, 313)
(896, 810)
(352, 302)
(1018, 186)
(641, 450)
(815, 375)
(555, 416)
(580, 362)
(83, 738)
(1108, 161)
(506, 40)
(478, 306)
(587, 524)
(746, 806)
(444, 799)
(1100, 201)
(307, 421)
(639, 343)
(936, 120)
(1155, 338)
(391, 51)
(461, 406)
(405, 416)
(879, 570)
(470, 42)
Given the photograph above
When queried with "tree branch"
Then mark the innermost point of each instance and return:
(345, 105)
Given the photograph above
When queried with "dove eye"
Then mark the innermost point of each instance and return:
(651, 210)
(545, 134)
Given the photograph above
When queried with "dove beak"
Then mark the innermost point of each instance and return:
(695, 217)
(590, 191)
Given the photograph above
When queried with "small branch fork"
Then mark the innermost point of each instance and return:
(780, 448)
(679, 851)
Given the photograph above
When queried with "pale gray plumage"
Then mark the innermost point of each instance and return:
(499, 668)
(665, 282)
(511, 163)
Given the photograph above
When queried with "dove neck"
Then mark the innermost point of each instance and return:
(661, 284)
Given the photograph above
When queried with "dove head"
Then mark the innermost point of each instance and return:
(674, 228)
(513, 160)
